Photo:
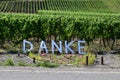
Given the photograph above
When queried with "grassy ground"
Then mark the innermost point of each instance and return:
(64, 59)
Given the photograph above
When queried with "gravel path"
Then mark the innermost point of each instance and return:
(110, 61)
(15, 57)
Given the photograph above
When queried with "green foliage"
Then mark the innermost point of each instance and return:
(32, 6)
(91, 58)
(16, 27)
(47, 64)
(36, 56)
(21, 63)
(9, 62)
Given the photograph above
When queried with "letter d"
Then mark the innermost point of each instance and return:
(24, 46)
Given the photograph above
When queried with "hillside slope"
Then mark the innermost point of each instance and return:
(32, 6)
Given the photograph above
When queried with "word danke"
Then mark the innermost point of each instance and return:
(54, 45)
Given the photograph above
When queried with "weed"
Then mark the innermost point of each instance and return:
(21, 63)
(47, 64)
(64, 59)
(9, 62)
(32, 55)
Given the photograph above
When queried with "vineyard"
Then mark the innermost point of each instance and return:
(32, 6)
(16, 27)
(64, 19)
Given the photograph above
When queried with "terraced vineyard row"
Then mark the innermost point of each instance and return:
(21, 6)
(32, 6)
(78, 14)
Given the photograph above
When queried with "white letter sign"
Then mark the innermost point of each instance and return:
(24, 46)
(43, 46)
(55, 45)
(81, 47)
(67, 47)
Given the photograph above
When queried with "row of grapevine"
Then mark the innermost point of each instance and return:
(32, 6)
(22, 6)
(77, 14)
(16, 27)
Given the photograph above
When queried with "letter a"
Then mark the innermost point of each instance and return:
(43, 46)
